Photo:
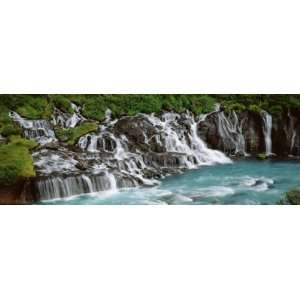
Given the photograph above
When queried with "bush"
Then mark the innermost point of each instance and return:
(15, 163)
(291, 198)
(62, 102)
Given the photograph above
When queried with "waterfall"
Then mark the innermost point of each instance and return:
(267, 129)
(187, 142)
(291, 132)
(39, 130)
(230, 130)
(204, 155)
(113, 158)
(56, 187)
(68, 120)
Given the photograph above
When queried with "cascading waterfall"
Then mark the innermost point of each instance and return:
(39, 130)
(291, 132)
(68, 120)
(109, 159)
(196, 152)
(267, 129)
(191, 152)
(60, 187)
(230, 130)
(204, 155)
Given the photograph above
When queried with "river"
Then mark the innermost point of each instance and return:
(243, 182)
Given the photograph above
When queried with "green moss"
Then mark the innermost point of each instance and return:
(255, 108)
(62, 102)
(291, 198)
(19, 141)
(28, 106)
(262, 156)
(72, 135)
(16, 161)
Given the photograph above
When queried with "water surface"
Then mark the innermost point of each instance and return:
(244, 182)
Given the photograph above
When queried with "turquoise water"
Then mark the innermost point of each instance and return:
(244, 182)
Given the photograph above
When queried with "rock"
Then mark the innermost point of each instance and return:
(21, 192)
(82, 165)
(51, 146)
(139, 132)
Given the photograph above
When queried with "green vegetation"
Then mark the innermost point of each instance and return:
(291, 198)
(7, 127)
(72, 135)
(28, 106)
(262, 156)
(15, 160)
(275, 104)
(62, 102)
(94, 106)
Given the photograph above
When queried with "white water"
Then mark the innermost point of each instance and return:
(291, 132)
(58, 187)
(68, 120)
(267, 129)
(39, 130)
(181, 143)
(196, 153)
(230, 129)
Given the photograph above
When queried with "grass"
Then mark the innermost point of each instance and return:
(72, 135)
(16, 160)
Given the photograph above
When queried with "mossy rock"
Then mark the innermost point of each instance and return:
(262, 156)
(72, 135)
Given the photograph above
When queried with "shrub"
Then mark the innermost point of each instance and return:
(62, 102)
(291, 198)
(15, 163)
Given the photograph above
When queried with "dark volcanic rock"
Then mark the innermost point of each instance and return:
(253, 133)
(140, 134)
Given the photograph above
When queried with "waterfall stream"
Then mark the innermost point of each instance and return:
(113, 160)
(39, 130)
(230, 129)
(267, 129)
(291, 132)
(68, 120)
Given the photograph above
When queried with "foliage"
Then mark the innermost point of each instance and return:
(72, 135)
(28, 106)
(274, 104)
(7, 127)
(19, 141)
(62, 102)
(291, 198)
(95, 106)
(16, 161)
